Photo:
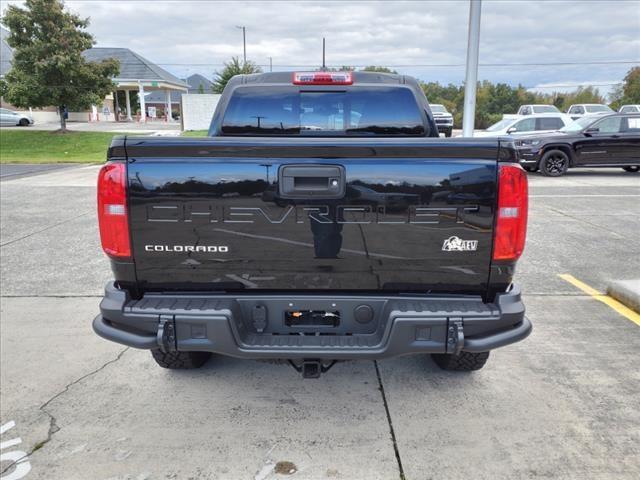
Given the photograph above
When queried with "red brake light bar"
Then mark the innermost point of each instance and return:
(322, 78)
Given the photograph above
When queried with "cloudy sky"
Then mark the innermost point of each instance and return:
(426, 39)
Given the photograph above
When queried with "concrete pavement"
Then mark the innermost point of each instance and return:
(561, 404)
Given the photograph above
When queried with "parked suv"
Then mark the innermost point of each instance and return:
(444, 120)
(593, 141)
(582, 109)
(541, 122)
(532, 109)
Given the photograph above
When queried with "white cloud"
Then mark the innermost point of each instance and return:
(198, 36)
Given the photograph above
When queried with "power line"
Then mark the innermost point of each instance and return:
(575, 85)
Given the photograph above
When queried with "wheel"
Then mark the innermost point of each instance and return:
(554, 163)
(465, 362)
(23, 122)
(447, 133)
(530, 169)
(632, 169)
(180, 360)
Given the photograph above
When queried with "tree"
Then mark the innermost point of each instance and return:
(48, 67)
(582, 95)
(232, 68)
(629, 91)
(375, 68)
(201, 88)
(631, 88)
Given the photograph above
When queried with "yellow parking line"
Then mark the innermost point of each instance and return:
(606, 299)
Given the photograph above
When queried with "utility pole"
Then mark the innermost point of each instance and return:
(244, 43)
(471, 76)
(324, 65)
(271, 64)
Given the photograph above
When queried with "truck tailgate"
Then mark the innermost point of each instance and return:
(224, 214)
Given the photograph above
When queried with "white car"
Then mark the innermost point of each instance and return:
(583, 109)
(629, 109)
(11, 118)
(533, 109)
(540, 122)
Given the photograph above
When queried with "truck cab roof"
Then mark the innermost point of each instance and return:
(285, 78)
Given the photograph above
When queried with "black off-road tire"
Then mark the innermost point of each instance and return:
(631, 169)
(180, 360)
(465, 362)
(448, 133)
(554, 163)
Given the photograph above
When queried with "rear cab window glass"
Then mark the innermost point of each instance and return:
(597, 108)
(545, 109)
(290, 111)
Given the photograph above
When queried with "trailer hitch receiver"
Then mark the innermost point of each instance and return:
(312, 368)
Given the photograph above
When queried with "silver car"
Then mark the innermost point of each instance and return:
(11, 118)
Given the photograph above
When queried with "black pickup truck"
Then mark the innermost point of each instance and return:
(322, 220)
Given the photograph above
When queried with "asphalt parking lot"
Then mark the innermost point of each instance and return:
(562, 404)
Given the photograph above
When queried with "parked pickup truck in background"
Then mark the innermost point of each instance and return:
(596, 141)
(322, 220)
(443, 119)
(586, 109)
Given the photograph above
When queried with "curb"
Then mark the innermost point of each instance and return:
(626, 292)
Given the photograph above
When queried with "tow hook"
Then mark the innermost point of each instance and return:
(312, 368)
(166, 334)
(455, 336)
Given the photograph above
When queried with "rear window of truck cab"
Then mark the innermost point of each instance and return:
(357, 111)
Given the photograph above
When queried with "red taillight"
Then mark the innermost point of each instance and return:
(112, 210)
(511, 223)
(322, 78)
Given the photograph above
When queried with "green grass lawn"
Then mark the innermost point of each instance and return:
(17, 146)
(47, 147)
(195, 133)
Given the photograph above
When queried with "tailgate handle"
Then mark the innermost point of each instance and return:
(311, 181)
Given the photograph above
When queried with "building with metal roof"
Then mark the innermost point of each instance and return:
(136, 74)
(139, 74)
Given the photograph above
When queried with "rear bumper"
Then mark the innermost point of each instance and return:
(225, 325)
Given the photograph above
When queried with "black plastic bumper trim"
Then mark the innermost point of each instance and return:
(218, 328)
(500, 339)
(106, 330)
